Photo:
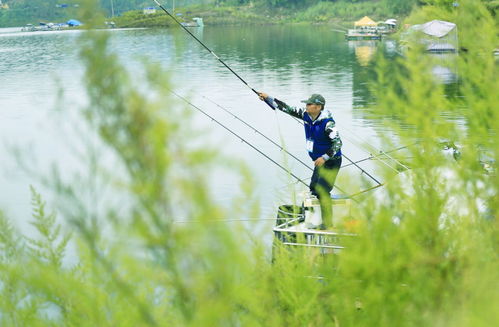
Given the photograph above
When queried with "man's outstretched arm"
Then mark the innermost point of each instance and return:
(275, 103)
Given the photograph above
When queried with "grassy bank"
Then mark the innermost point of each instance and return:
(210, 15)
(323, 12)
(247, 14)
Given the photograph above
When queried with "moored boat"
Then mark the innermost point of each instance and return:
(364, 29)
(196, 22)
(364, 34)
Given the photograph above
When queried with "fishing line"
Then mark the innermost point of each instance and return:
(210, 51)
(380, 155)
(365, 145)
(362, 170)
(371, 157)
(239, 137)
(365, 150)
(260, 133)
(228, 220)
(282, 139)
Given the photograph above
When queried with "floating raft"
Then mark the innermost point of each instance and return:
(353, 35)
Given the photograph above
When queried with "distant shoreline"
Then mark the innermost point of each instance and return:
(339, 14)
(229, 16)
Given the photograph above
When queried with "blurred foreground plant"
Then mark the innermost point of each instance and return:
(426, 255)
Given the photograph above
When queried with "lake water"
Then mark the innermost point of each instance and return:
(289, 62)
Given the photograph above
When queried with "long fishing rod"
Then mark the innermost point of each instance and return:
(381, 154)
(362, 170)
(362, 146)
(379, 184)
(239, 137)
(209, 50)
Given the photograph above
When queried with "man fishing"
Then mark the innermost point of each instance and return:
(323, 145)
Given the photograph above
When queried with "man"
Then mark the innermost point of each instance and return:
(323, 145)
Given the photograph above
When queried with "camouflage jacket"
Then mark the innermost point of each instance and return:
(326, 147)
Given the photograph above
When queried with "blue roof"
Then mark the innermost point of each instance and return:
(74, 22)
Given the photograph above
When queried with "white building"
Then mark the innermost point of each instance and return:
(149, 10)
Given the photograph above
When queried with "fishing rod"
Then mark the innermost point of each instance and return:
(365, 148)
(362, 170)
(351, 164)
(379, 184)
(239, 137)
(227, 220)
(364, 191)
(381, 154)
(210, 51)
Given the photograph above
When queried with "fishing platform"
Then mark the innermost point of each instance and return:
(302, 226)
(364, 29)
(364, 34)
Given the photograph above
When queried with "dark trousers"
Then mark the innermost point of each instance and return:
(321, 185)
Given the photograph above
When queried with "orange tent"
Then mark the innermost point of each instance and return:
(365, 21)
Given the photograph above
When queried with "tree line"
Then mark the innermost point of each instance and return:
(30, 11)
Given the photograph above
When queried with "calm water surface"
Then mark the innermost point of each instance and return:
(289, 62)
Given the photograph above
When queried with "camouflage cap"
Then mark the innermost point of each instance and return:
(315, 99)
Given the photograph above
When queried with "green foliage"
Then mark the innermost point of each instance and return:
(262, 12)
(211, 16)
(447, 211)
(9, 240)
(52, 245)
(137, 18)
(343, 11)
(26, 261)
(400, 7)
(21, 12)
(425, 254)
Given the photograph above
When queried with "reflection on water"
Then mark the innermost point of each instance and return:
(364, 50)
(445, 67)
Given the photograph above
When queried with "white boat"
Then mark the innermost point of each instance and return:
(196, 22)
(28, 28)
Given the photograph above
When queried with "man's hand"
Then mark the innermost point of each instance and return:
(263, 96)
(319, 162)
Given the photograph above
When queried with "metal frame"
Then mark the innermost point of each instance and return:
(288, 231)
